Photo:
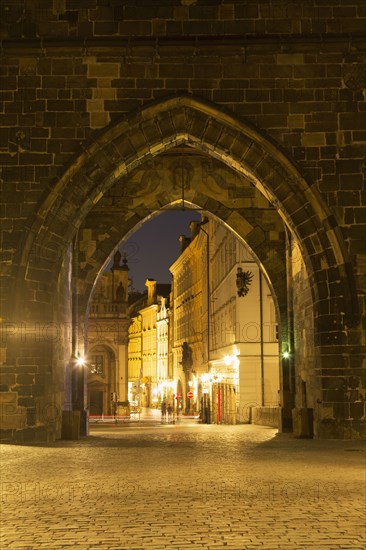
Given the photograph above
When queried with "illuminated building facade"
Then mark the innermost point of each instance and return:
(225, 347)
(148, 346)
(106, 357)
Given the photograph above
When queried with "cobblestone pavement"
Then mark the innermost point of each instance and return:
(181, 486)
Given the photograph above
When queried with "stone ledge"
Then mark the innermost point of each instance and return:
(229, 41)
(265, 416)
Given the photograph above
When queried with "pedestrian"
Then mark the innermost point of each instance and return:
(163, 412)
(170, 412)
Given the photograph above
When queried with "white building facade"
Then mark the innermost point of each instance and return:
(224, 311)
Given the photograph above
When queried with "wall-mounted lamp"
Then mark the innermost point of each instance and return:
(80, 361)
(231, 360)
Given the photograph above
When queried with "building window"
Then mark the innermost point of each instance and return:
(97, 365)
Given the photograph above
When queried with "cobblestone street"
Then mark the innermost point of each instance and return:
(145, 486)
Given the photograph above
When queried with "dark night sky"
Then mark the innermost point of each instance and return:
(155, 246)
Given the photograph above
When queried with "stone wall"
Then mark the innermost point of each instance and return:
(295, 73)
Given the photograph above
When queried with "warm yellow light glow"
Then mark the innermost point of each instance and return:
(285, 355)
(216, 377)
(80, 361)
(231, 360)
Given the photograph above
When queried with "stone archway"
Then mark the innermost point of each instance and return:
(101, 382)
(184, 120)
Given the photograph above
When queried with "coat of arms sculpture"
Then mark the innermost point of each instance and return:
(243, 281)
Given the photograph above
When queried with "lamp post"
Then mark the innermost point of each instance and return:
(206, 405)
(208, 294)
(76, 421)
(206, 400)
(139, 316)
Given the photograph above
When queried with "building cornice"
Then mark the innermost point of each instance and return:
(88, 46)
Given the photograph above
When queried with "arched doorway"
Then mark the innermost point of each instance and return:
(325, 272)
(101, 382)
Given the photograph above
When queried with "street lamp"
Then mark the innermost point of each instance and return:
(206, 380)
(78, 387)
(80, 361)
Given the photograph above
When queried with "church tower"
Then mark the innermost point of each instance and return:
(120, 282)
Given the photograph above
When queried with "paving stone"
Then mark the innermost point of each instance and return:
(190, 489)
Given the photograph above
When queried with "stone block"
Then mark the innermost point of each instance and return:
(256, 95)
(31, 417)
(111, 70)
(8, 397)
(104, 93)
(39, 390)
(70, 425)
(23, 390)
(95, 105)
(7, 379)
(265, 416)
(302, 419)
(64, 66)
(349, 198)
(12, 421)
(26, 402)
(313, 139)
(53, 82)
(360, 214)
(352, 121)
(176, 71)
(295, 121)
(60, 105)
(151, 131)
(124, 148)
(290, 58)
(106, 28)
(25, 378)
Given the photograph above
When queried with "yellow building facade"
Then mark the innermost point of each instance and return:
(148, 347)
(189, 356)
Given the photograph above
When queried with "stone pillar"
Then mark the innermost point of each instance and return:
(122, 366)
(287, 345)
(122, 373)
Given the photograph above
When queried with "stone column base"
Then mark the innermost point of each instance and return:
(303, 422)
(341, 429)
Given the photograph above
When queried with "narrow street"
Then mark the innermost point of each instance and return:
(148, 485)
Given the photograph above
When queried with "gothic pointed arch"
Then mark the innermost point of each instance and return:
(157, 128)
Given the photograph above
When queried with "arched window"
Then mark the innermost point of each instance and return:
(97, 365)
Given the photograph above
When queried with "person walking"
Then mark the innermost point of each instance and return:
(163, 412)
(170, 412)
